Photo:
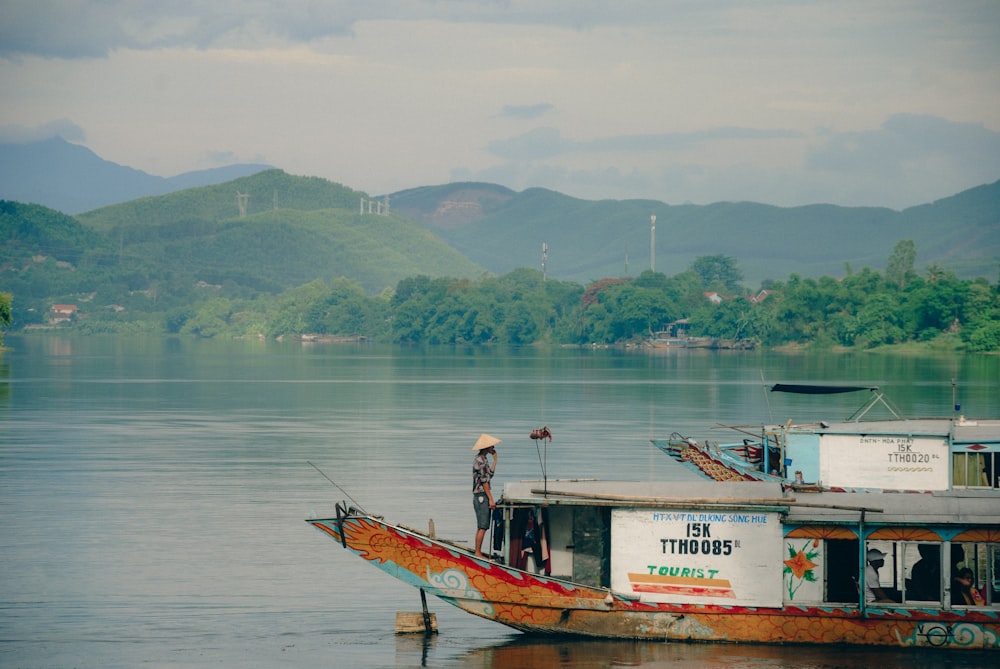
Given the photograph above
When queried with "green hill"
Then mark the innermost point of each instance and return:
(30, 231)
(451, 205)
(588, 240)
(265, 191)
(296, 229)
(157, 255)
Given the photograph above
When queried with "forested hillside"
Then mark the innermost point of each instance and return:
(588, 240)
(266, 191)
(292, 230)
(141, 259)
(276, 255)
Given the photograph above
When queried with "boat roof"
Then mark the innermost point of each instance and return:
(642, 493)
(955, 507)
(963, 431)
(964, 507)
(977, 431)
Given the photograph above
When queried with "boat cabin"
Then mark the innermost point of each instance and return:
(919, 454)
(890, 454)
(753, 544)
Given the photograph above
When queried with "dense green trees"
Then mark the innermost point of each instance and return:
(718, 272)
(864, 309)
(5, 313)
(517, 308)
(899, 268)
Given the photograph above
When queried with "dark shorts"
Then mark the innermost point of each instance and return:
(481, 503)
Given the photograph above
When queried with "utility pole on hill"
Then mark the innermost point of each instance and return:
(652, 243)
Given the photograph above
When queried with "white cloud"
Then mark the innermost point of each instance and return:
(17, 134)
(891, 102)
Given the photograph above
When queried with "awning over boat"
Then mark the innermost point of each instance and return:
(803, 389)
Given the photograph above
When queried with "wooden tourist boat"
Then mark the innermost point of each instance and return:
(753, 562)
(896, 454)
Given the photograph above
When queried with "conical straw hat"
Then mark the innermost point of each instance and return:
(485, 441)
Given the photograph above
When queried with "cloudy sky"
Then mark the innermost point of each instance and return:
(853, 102)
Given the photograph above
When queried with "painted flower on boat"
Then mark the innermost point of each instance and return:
(800, 565)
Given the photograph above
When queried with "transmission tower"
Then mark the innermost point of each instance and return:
(652, 243)
(241, 202)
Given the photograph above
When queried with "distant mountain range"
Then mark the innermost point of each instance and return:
(72, 179)
(493, 227)
(586, 240)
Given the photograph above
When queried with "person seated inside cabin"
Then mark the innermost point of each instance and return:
(925, 577)
(963, 590)
(873, 590)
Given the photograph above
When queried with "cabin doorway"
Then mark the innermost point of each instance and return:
(842, 571)
(580, 544)
(592, 545)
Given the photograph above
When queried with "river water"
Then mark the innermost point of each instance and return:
(153, 491)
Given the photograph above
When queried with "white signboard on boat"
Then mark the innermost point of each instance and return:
(726, 558)
(895, 462)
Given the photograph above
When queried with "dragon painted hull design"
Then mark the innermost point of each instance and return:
(664, 604)
(484, 588)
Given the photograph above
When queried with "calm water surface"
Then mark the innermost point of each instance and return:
(152, 492)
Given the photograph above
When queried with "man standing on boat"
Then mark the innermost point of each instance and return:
(482, 495)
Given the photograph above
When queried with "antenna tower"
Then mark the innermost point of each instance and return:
(652, 243)
(241, 202)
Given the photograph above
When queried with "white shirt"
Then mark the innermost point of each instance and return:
(871, 581)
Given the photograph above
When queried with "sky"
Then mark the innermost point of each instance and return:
(888, 103)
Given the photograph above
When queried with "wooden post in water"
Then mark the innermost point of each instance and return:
(411, 622)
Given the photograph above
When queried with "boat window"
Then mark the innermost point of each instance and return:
(922, 566)
(916, 573)
(975, 470)
(994, 573)
(983, 561)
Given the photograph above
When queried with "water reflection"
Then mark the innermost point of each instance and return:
(153, 491)
(4, 381)
(546, 653)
